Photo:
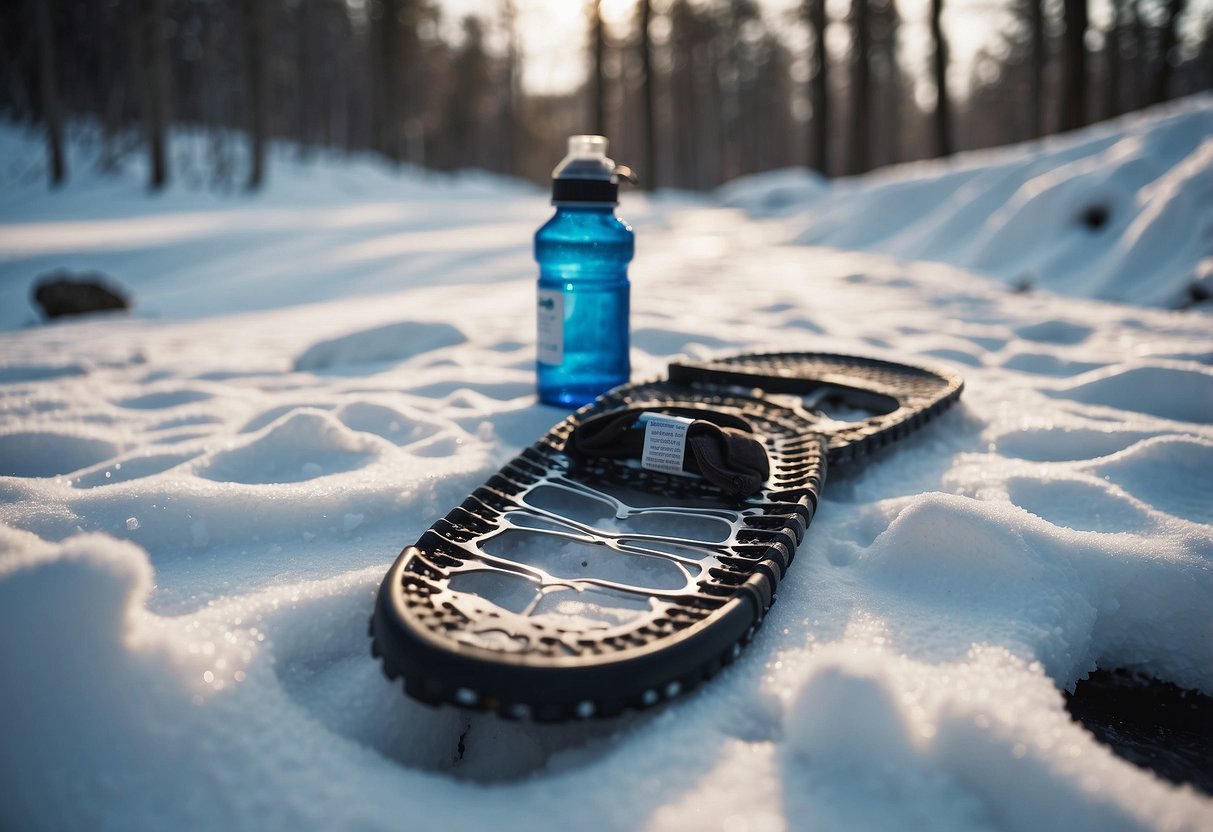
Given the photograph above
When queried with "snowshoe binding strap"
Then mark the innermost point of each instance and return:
(719, 447)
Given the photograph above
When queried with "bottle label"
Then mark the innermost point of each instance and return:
(550, 315)
(665, 442)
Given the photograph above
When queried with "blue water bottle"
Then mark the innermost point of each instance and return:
(583, 253)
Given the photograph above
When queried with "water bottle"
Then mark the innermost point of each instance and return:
(583, 253)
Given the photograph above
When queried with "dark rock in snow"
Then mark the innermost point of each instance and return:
(62, 293)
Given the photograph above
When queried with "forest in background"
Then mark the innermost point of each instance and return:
(692, 93)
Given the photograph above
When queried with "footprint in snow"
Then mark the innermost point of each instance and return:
(1168, 392)
(162, 400)
(131, 468)
(391, 424)
(27, 373)
(671, 342)
(390, 343)
(1173, 474)
(1047, 364)
(1078, 504)
(1059, 332)
(49, 454)
(186, 422)
(1065, 444)
(273, 414)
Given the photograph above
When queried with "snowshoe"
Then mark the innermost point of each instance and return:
(632, 551)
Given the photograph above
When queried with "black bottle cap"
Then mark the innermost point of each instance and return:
(585, 190)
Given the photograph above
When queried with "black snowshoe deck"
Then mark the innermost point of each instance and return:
(571, 586)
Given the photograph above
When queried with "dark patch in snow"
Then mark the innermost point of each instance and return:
(1152, 724)
(1095, 217)
(1199, 292)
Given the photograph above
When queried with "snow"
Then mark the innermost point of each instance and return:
(1119, 211)
(199, 503)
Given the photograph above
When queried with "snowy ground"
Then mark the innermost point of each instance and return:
(198, 503)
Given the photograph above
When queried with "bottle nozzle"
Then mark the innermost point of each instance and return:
(586, 159)
(587, 147)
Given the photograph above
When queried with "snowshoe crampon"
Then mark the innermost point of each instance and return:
(577, 582)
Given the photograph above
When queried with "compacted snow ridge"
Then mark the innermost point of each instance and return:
(200, 497)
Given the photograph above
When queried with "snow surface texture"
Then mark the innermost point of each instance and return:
(198, 505)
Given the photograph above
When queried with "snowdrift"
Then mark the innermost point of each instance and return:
(1121, 211)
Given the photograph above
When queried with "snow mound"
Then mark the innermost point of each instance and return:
(301, 446)
(773, 193)
(1087, 214)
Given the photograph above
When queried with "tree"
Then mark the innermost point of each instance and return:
(861, 88)
(1140, 65)
(511, 72)
(1036, 90)
(939, 69)
(598, 70)
(255, 24)
(1111, 49)
(387, 73)
(1166, 45)
(51, 115)
(1073, 66)
(889, 93)
(695, 122)
(464, 137)
(648, 110)
(150, 21)
(819, 91)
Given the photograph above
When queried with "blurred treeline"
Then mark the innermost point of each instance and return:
(692, 92)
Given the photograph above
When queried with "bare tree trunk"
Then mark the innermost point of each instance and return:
(861, 88)
(1166, 43)
(1111, 50)
(111, 40)
(306, 91)
(151, 30)
(387, 128)
(598, 78)
(254, 12)
(1142, 56)
(1074, 66)
(1036, 22)
(649, 115)
(819, 90)
(509, 105)
(939, 68)
(51, 115)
